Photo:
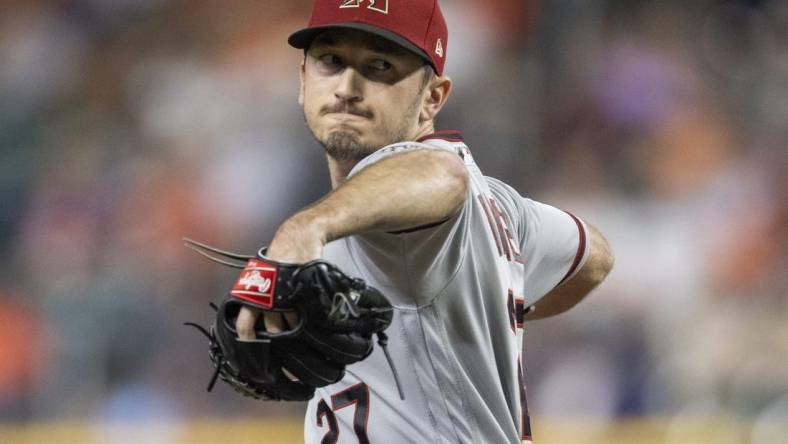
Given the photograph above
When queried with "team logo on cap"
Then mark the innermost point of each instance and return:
(375, 5)
(439, 48)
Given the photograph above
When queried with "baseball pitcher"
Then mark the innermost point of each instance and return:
(396, 303)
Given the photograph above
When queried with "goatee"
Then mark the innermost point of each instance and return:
(345, 146)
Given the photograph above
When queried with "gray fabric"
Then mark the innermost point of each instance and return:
(451, 336)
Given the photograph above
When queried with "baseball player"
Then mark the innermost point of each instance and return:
(463, 258)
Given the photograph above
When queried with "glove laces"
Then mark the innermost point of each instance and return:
(383, 342)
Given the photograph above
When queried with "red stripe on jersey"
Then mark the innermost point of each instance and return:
(581, 248)
(448, 135)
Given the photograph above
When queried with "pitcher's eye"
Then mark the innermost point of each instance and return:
(330, 60)
(380, 65)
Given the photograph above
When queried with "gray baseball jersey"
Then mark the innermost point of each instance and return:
(460, 289)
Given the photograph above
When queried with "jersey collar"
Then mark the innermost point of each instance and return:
(448, 135)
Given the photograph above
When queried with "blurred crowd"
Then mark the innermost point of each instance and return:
(126, 125)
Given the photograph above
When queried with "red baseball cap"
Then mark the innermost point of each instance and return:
(416, 25)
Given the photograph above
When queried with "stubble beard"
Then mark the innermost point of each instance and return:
(344, 146)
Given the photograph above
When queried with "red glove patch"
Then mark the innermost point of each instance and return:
(256, 284)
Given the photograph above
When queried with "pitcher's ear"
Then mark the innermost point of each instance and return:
(438, 92)
(301, 75)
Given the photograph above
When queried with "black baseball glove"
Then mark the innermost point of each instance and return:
(337, 315)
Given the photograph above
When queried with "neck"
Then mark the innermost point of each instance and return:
(339, 169)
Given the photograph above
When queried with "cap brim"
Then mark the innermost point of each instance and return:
(303, 39)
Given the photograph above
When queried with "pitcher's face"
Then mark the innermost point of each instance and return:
(360, 92)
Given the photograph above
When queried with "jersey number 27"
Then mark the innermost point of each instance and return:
(358, 395)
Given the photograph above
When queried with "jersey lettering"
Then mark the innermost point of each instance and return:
(519, 312)
(516, 306)
(503, 236)
(516, 311)
(357, 395)
(375, 5)
(510, 306)
(323, 411)
(512, 253)
(491, 223)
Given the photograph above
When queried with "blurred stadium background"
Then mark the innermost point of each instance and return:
(127, 124)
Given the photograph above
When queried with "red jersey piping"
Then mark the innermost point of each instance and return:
(448, 135)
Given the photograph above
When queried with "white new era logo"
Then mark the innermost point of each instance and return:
(439, 48)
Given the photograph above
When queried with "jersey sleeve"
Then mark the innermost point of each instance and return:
(397, 148)
(554, 248)
(553, 242)
(413, 266)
